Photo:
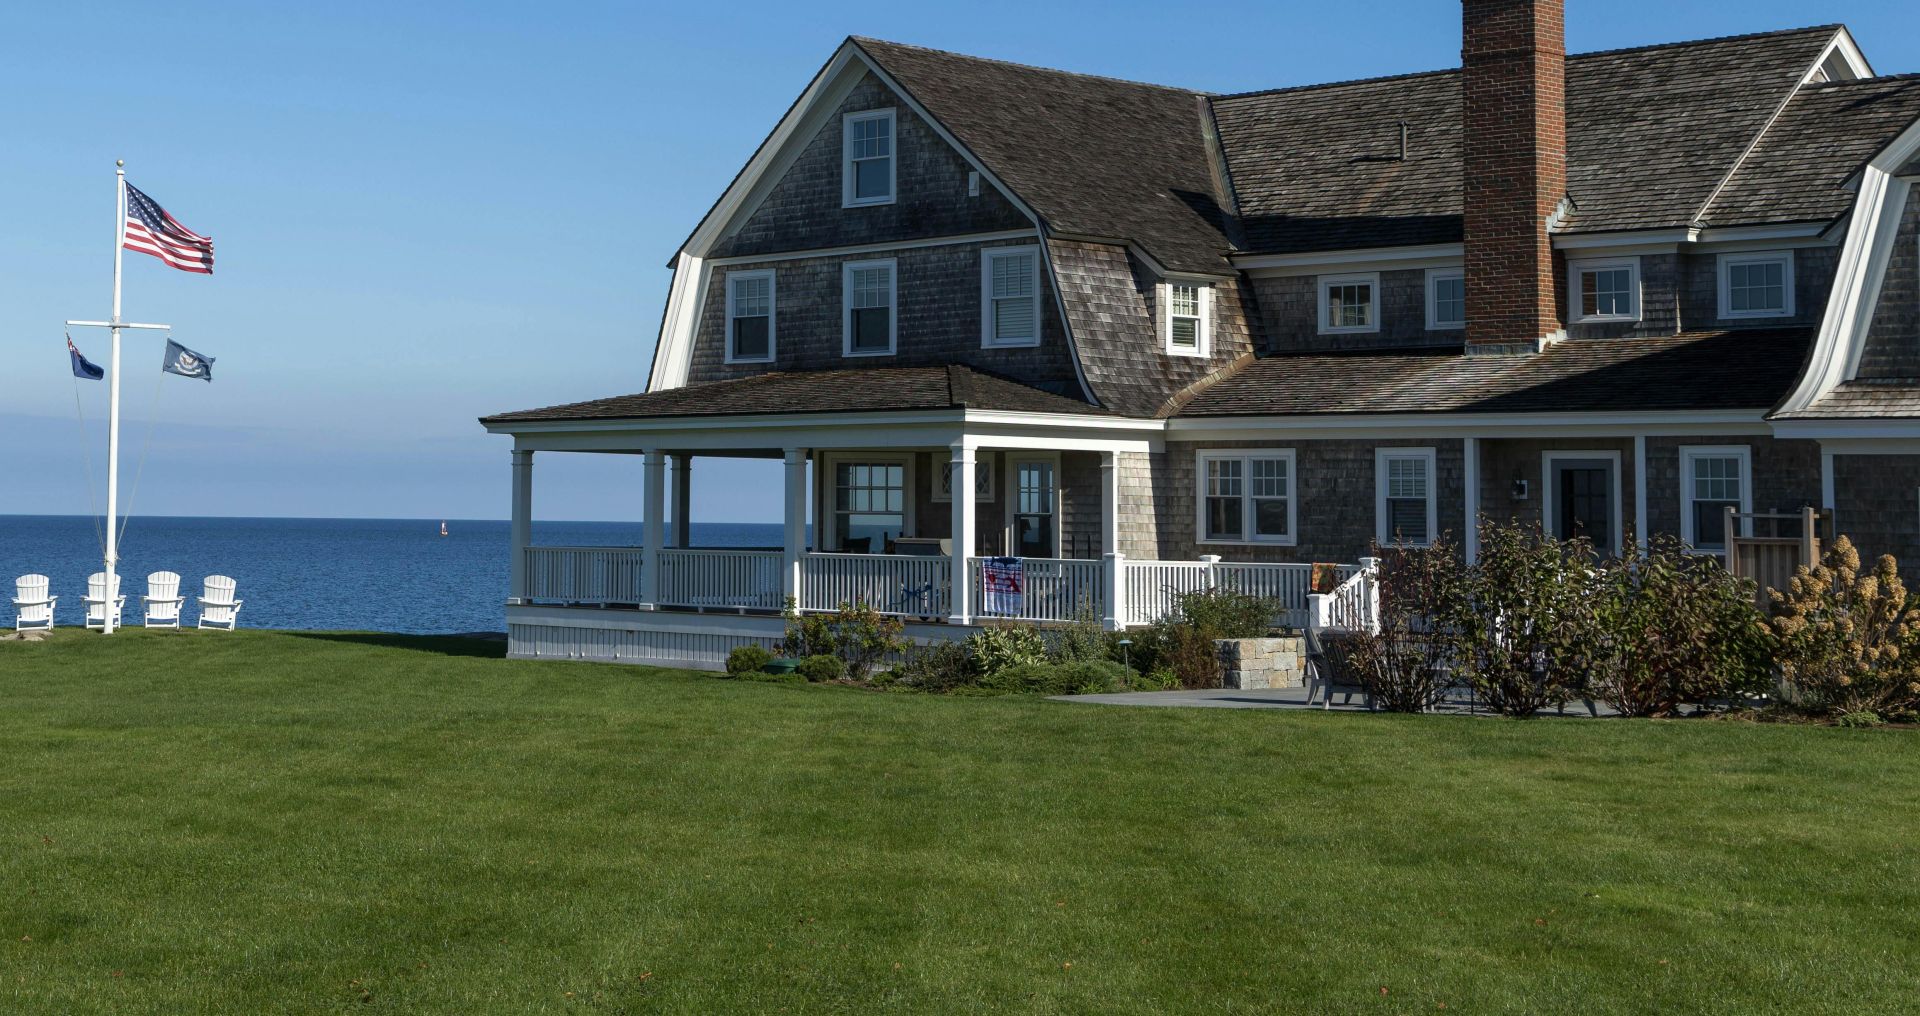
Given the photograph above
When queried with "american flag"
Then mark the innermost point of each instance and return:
(150, 230)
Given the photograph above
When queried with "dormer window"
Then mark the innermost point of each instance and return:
(1349, 303)
(1446, 299)
(1757, 285)
(1605, 290)
(1184, 311)
(868, 170)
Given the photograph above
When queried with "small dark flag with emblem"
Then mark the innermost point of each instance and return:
(83, 367)
(187, 363)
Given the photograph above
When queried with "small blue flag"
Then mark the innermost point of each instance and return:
(83, 367)
(187, 363)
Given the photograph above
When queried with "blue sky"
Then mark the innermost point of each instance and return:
(429, 212)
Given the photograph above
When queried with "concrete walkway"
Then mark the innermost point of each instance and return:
(1282, 698)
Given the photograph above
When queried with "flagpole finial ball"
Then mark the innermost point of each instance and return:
(122, 163)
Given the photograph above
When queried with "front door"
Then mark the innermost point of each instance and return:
(1034, 501)
(1583, 503)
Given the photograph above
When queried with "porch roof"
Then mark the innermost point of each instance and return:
(1864, 398)
(1747, 369)
(871, 389)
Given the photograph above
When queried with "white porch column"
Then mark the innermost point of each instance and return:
(1470, 540)
(682, 499)
(960, 595)
(654, 527)
(1640, 534)
(521, 529)
(795, 517)
(1113, 563)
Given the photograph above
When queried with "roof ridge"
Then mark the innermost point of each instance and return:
(863, 39)
(1570, 56)
(1878, 79)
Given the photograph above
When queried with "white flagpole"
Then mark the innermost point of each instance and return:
(113, 396)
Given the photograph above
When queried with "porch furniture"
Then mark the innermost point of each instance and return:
(32, 606)
(1331, 668)
(100, 599)
(162, 603)
(218, 609)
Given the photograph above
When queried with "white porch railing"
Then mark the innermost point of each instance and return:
(584, 574)
(1354, 605)
(1154, 588)
(904, 585)
(1057, 589)
(709, 578)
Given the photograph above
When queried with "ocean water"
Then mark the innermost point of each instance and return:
(394, 575)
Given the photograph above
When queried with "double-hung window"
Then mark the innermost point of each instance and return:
(1349, 303)
(1713, 479)
(1185, 308)
(1446, 299)
(1605, 290)
(1010, 296)
(868, 294)
(1247, 496)
(1758, 285)
(1405, 512)
(750, 317)
(869, 504)
(867, 174)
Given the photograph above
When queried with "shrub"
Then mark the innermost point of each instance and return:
(1404, 664)
(1848, 641)
(1079, 677)
(1081, 639)
(1523, 630)
(1228, 613)
(822, 668)
(747, 660)
(1158, 680)
(1673, 628)
(775, 678)
(806, 635)
(862, 637)
(999, 647)
(1858, 718)
(938, 668)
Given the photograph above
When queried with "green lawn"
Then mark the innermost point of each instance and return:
(275, 822)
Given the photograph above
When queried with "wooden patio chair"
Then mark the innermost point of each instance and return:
(32, 604)
(218, 609)
(100, 599)
(161, 605)
(1331, 668)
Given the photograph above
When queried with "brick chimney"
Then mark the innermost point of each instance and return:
(1513, 81)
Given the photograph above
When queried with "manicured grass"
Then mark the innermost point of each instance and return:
(286, 823)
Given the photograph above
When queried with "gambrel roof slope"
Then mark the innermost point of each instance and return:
(1802, 168)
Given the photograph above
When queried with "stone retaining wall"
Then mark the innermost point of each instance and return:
(1262, 663)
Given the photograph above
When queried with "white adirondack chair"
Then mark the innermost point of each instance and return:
(218, 609)
(32, 606)
(163, 600)
(99, 599)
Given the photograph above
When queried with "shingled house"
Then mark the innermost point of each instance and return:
(1151, 329)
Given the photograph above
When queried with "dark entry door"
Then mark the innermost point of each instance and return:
(1585, 505)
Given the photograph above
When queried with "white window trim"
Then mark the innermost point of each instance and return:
(829, 488)
(1204, 346)
(1575, 296)
(773, 315)
(1007, 530)
(1369, 279)
(1549, 519)
(988, 255)
(846, 306)
(1726, 263)
(1436, 275)
(847, 200)
(982, 470)
(1205, 455)
(1690, 452)
(1382, 532)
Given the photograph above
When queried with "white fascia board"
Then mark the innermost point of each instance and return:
(673, 350)
(1843, 46)
(1809, 232)
(1654, 241)
(1328, 261)
(1857, 436)
(1743, 421)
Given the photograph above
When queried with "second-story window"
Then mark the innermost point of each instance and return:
(1446, 298)
(750, 317)
(868, 296)
(1349, 303)
(867, 139)
(1756, 285)
(1606, 290)
(1185, 307)
(1010, 296)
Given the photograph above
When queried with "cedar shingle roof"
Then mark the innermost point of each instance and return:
(1650, 133)
(1800, 170)
(1858, 399)
(1093, 156)
(827, 391)
(1750, 369)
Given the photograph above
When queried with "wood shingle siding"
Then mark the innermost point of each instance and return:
(1893, 338)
